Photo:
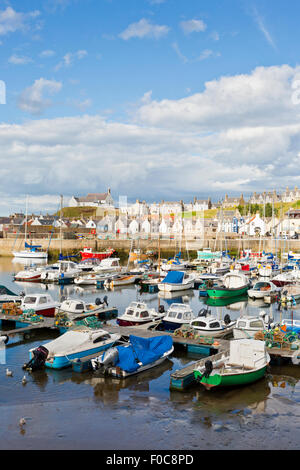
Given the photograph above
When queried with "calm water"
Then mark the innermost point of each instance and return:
(65, 410)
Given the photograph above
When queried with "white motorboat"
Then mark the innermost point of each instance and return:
(219, 267)
(262, 289)
(247, 325)
(121, 280)
(41, 304)
(108, 265)
(81, 343)
(139, 355)
(210, 325)
(137, 313)
(88, 264)
(28, 275)
(62, 271)
(176, 316)
(75, 307)
(177, 281)
(7, 296)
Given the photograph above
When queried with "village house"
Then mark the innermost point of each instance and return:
(93, 199)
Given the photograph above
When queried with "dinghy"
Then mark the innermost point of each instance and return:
(244, 363)
(139, 355)
(262, 289)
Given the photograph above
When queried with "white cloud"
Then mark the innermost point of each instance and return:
(179, 53)
(215, 36)
(11, 20)
(205, 54)
(240, 134)
(47, 53)
(192, 26)
(261, 25)
(144, 29)
(19, 60)
(33, 100)
(70, 57)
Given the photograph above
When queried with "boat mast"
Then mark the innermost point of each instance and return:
(60, 228)
(26, 213)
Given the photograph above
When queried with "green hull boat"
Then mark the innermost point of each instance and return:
(227, 293)
(231, 380)
(244, 363)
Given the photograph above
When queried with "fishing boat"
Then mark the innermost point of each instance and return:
(138, 356)
(87, 252)
(176, 316)
(137, 313)
(176, 281)
(108, 265)
(62, 272)
(41, 304)
(247, 325)
(74, 307)
(291, 293)
(210, 325)
(7, 296)
(283, 279)
(244, 363)
(83, 343)
(263, 288)
(31, 274)
(234, 284)
(121, 280)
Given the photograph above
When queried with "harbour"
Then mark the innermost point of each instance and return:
(170, 386)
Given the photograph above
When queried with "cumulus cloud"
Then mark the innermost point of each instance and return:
(19, 60)
(33, 100)
(192, 26)
(70, 57)
(12, 21)
(47, 53)
(240, 134)
(144, 29)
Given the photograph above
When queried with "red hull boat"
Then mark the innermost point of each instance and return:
(88, 253)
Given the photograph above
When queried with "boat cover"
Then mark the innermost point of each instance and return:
(5, 291)
(144, 350)
(174, 277)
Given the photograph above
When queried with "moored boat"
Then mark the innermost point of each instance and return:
(244, 363)
(87, 252)
(176, 281)
(263, 288)
(137, 313)
(209, 325)
(139, 355)
(234, 284)
(41, 304)
(81, 343)
(176, 316)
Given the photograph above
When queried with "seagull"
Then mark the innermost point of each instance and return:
(24, 380)
(9, 373)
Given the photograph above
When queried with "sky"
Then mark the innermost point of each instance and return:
(155, 99)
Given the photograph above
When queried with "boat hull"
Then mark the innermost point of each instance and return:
(121, 322)
(223, 293)
(230, 380)
(165, 287)
(30, 254)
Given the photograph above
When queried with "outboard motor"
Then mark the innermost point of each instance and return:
(38, 361)
(4, 339)
(108, 359)
(202, 312)
(227, 319)
(161, 309)
(207, 371)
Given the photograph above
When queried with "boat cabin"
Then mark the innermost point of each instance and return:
(208, 323)
(37, 301)
(248, 323)
(137, 310)
(180, 313)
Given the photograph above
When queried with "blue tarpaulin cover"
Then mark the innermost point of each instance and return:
(174, 277)
(144, 350)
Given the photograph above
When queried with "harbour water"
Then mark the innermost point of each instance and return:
(68, 410)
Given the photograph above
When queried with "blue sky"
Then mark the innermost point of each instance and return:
(156, 99)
